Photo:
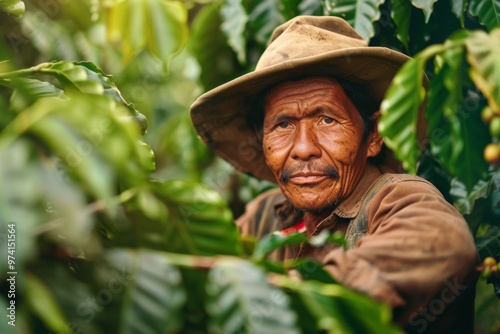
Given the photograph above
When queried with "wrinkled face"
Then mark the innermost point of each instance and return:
(312, 139)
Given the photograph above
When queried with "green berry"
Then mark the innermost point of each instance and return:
(487, 114)
(486, 273)
(495, 126)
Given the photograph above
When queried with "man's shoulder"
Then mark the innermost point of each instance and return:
(407, 192)
(397, 182)
(399, 177)
(403, 189)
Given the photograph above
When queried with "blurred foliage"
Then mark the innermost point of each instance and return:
(113, 238)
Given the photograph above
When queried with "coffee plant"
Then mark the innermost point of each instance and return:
(124, 221)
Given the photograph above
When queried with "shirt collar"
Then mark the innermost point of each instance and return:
(350, 206)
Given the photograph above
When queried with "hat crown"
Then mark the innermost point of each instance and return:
(308, 36)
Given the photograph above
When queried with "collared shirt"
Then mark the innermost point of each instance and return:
(408, 247)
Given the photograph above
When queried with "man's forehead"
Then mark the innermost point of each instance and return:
(315, 88)
(283, 87)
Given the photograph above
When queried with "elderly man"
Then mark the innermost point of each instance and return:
(306, 118)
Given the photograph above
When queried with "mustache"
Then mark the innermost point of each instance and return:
(328, 170)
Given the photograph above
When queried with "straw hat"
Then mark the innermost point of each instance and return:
(304, 46)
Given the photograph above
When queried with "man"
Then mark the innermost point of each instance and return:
(306, 118)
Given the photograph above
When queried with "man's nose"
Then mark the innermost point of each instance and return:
(305, 145)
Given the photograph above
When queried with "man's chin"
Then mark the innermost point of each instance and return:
(316, 210)
(312, 203)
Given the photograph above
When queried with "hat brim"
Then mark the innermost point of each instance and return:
(220, 115)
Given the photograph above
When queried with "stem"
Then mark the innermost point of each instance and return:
(97, 206)
(21, 124)
(22, 72)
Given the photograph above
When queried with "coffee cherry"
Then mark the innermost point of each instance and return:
(495, 126)
(489, 261)
(486, 114)
(486, 273)
(492, 153)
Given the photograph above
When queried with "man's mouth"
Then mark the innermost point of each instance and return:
(308, 177)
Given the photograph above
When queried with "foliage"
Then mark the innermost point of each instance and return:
(113, 238)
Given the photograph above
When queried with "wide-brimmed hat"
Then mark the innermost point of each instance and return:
(304, 46)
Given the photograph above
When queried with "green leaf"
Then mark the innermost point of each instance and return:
(462, 159)
(82, 76)
(27, 91)
(474, 204)
(342, 310)
(234, 20)
(168, 30)
(310, 7)
(12, 7)
(241, 300)
(94, 73)
(399, 113)
(208, 44)
(290, 8)
(360, 14)
(181, 144)
(264, 17)
(199, 221)
(483, 54)
(95, 139)
(458, 8)
(125, 22)
(426, 6)
(401, 14)
(21, 204)
(72, 290)
(325, 237)
(338, 309)
(153, 293)
(43, 304)
(165, 24)
(455, 129)
(450, 78)
(56, 128)
(146, 157)
(488, 12)
(274, 241)
(489, 244)
(42, 200)
(312, 270)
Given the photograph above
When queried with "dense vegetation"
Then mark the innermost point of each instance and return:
(123, 220)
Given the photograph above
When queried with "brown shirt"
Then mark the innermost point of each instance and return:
(407, 247)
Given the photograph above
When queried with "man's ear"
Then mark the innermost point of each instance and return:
(375, 141)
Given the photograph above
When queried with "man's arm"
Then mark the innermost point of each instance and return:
(418, 248)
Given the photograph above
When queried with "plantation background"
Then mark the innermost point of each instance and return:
(120, 229)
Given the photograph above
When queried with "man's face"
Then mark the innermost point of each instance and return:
(313, 142)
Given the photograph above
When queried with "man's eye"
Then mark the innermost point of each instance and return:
(328, 120)
(283, 125)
